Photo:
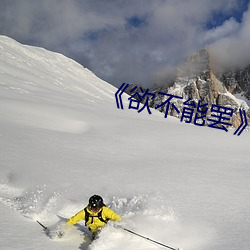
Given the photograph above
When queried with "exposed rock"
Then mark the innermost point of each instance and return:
(197, 81)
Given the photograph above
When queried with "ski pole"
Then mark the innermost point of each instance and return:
(45, 228)
(146, 238)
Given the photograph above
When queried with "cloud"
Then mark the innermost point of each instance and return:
(228, 28)
(124, 41)
(233, 49)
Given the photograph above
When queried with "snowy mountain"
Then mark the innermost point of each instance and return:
(237, 81)
(199, 82)
(62, 139)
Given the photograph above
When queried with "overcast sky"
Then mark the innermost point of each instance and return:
(132, 41)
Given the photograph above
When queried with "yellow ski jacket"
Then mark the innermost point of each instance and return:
(94, 223)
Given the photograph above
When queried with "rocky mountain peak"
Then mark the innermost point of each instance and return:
(197, 64)
(237, 81)
(197, 81)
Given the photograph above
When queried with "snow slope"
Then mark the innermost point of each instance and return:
(63, 139)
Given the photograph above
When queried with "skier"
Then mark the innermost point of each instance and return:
(95, 214)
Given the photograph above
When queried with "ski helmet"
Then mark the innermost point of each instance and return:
(95, 202)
